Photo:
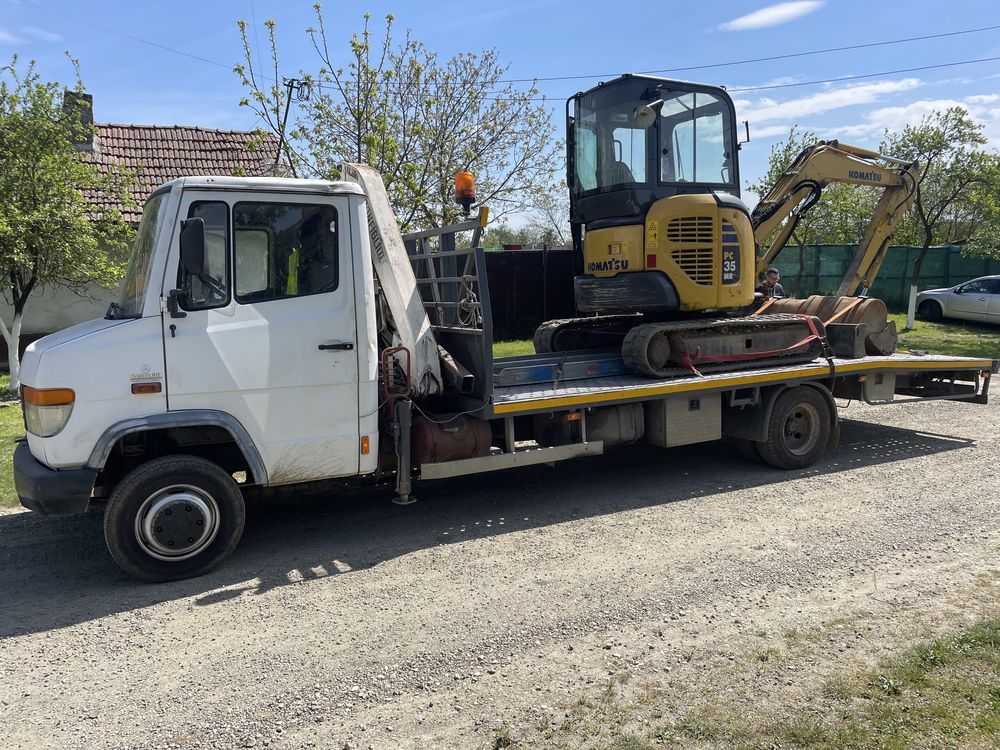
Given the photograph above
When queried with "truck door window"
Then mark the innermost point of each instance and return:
(211, 288)
(284, 250)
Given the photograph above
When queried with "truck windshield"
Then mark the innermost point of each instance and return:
(140, 264)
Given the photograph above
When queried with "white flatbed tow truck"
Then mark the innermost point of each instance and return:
(277, 333)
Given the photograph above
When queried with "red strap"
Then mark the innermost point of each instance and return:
(688, 359)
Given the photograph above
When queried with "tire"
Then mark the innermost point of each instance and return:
(798, 430)
(749, 449)
(149, 542)
(930, 311)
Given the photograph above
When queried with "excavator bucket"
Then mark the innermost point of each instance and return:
(855, 326)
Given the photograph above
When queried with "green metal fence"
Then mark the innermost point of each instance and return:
(818, 269)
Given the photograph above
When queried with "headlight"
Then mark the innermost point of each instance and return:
(46, 410)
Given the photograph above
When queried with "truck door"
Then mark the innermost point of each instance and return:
(269, 334)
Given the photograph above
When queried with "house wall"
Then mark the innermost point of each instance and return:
(52, 310)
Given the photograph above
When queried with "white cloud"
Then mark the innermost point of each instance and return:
(773, 15)
(40, 34)
(8, 38)
(894, 119)
(766, 109)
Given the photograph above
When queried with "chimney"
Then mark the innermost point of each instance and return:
(79, 109)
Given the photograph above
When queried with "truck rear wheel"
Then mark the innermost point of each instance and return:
(174, 517)
(798, 430)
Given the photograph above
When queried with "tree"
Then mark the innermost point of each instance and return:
(954, 173)
(50, 236)
(416, 118)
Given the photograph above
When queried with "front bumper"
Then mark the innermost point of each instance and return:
(51, 492)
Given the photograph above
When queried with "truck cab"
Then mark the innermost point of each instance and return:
(244, 335)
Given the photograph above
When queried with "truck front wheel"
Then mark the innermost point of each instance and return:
(174, 517)
(798, 430)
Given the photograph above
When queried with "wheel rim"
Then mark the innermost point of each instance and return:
(802, 429)
(177, 522)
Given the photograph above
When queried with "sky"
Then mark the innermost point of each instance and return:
(160, 62)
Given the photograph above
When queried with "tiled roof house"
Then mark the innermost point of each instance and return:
(154, 154)
(158, 153)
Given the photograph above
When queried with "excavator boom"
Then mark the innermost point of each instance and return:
(799, 189)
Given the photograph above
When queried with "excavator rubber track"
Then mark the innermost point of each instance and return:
(666, 349)
(656, 349)
(571, 334)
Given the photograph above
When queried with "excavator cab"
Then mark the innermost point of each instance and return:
(657, 221)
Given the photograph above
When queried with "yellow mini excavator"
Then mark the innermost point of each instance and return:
(667, 251)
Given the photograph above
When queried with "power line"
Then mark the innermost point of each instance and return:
(866, 75)
(841, 79)
(748, 61)
(140, 40)
(762, 59)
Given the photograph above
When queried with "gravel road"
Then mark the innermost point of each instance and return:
(345, 621)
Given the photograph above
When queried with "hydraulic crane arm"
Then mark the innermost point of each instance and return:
(800, 186)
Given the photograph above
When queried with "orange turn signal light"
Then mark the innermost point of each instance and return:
(47, 396)
(365, 445)
(574, 416)
(140, 388)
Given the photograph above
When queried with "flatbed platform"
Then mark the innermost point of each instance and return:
(537, 397)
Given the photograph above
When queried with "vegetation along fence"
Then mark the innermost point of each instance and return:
(818, 269)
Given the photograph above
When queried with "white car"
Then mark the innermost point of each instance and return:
(977, 300)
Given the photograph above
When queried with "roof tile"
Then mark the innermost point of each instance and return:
(158, 154)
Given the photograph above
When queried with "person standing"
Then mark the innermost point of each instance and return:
(770, 285)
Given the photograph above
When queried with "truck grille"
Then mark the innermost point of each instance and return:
(694, 235)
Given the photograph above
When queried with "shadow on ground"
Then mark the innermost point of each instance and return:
(56, 572)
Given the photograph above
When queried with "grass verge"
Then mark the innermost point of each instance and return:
(954, 337)
(11, 428)
(943, 693)
(517, 348)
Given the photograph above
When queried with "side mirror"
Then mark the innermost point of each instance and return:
(193, 246)
(958, 290)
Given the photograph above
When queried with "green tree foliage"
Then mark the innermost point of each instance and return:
(957, 176)
(50, 235)
(415, 117)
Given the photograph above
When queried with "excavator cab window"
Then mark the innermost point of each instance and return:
(696, 133)
(610, 148)
(691, 141)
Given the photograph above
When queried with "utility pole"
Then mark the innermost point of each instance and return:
(301, 90)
